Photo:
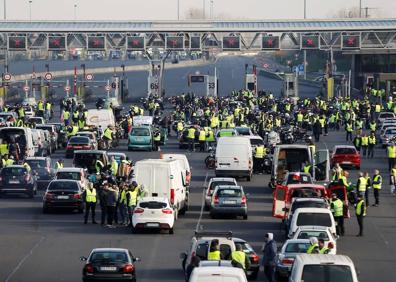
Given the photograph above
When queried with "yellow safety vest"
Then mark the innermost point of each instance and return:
(239, 257)
(392, 152)
(324, 250)
(371, 140)
(362, 184)
(191, 133)
(133, 197)
(312, 148)
(210, 137)
(364, 141)
(40, 106)
(66, 115)
(114, 167)
(123, 197)
(359, 208)
(108, 133)
(338, 208)
(202, 135)
(312, 248)
(307, 168)
(214, 255)
(7, 162)
(90, 195)
(393, 173)
(98, 166)
(180, 126)
(377, 178)
(4, 149)
(58, 165)
(259, 152)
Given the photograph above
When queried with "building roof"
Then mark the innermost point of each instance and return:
(201, 26)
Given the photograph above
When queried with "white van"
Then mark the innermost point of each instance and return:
(318, 268)
(234, 157)
(23, 136)
(312, 217)
(102, 117)
(163, 178)
(184, 164)
(218, 274)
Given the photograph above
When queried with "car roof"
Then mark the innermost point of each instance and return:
(213, 179)
(116, 154)
(157, 199)
(14, 166)
(291, 241)
(90, 152)
(306, 185)
(253, 137)
(344, 146)
(312, 227)
(109, 250)
(70, 169)
(64, 180)
(36, 158)
(228, 187)
(323, 259)
(215, 263)
(309, 200)
(217, 270)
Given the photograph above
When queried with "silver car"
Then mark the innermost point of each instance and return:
(213, 183)
(285, 258)
(229, 200)
(388, 136)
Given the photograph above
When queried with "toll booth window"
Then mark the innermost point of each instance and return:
(290, 85)
(202, 251)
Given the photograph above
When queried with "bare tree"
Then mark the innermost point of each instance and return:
(353, 12)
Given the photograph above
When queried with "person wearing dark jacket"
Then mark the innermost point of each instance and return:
(317, 130)
(102, 201)
(269, 253)
(111, 202)
(195, 260)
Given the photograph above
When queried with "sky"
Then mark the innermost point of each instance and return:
(167, 9)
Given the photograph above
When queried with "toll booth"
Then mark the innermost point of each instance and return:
(290, 85)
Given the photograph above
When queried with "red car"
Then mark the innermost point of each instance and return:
(345, 156)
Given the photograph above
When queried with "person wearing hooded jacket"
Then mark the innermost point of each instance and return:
(269, 250)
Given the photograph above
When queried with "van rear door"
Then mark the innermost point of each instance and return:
(279, 202)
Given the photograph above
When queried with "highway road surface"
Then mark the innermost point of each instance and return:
(47, 247)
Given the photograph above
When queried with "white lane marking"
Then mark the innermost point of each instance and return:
(24, 259)
(202, 204)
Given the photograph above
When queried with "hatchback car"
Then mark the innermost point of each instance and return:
(65, 194)
(285, 257)
(78, 143)
(346, 156)
(91, 136)
(73, 173)
(41, 167)
(153, 213)
(229, 200)
(109, 264)
(297, 178)
(16, 179)
(213, 183)
(320, 232)
(388, 136)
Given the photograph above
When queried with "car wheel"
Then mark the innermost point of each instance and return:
(245, 217)
(171, 231)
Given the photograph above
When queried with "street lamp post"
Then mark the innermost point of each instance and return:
(305, 51)
(178, 10)
(30, 10)
(5, 9)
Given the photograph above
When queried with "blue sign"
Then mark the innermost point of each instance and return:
(301, 67)
(294, 69)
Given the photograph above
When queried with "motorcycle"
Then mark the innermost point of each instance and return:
(210, 161)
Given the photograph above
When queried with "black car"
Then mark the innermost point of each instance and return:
(16, 179)
(254, 259)
(78, 143)
(65, 194)
(110, 264)
(41, 167)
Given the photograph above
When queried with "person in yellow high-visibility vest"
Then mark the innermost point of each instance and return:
(191, 138)
(360, 214)
(214, 250)
(377, 185)
(108, 137)
(89, 197)
(258, 158)
(391, 151)
(202, 140)
(113, 166)
(131, 200)
(239, 258)
(157, 140)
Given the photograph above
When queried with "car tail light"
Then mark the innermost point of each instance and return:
(128, 268)
(215, 200)
(138, 210)
(77, 196)
(49, 196)
(89, 268)
(255, 258)
(288, 261)
(167, 211)
(172, 196)
(330, 245)
(243, 202)
(69, 147)
(1, 178)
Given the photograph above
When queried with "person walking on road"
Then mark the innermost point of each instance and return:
(364, 145)
(337, 208)
(89, 196)
(103, 202)
(391, 151)
(393, 180)
(269, 253)
(360, 214)
(371, 144)
(377, 185)
(111, 202)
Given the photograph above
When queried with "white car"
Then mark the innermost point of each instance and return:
(320, 232)
(385, 115)
(218, 274)
(153, 213)
(213, 183)
(388, 136)
(73, 173)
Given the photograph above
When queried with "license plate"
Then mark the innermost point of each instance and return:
(77, 147)
(108, 268)
(346, 162)
(63, 197)
(152, 224)
(14, 181)
(229, 202)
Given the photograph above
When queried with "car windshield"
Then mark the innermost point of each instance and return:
(320, 234)
(229, 193)
(61, 185)
(245, 247)
(68, 175)
(48, 128)
(298, 179)
(14, 171)
(98, 257)
(140, 132)
(326, 273)
(153, 205)
(79, 140)
(297, 248)
(391, 131)
(35, 164)
(316, 219)
(243, 131)
(255, 142)
(386, 115)
(345, 151)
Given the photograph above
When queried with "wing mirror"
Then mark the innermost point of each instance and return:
(83, 259)
(183, 256)
(136, 259)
